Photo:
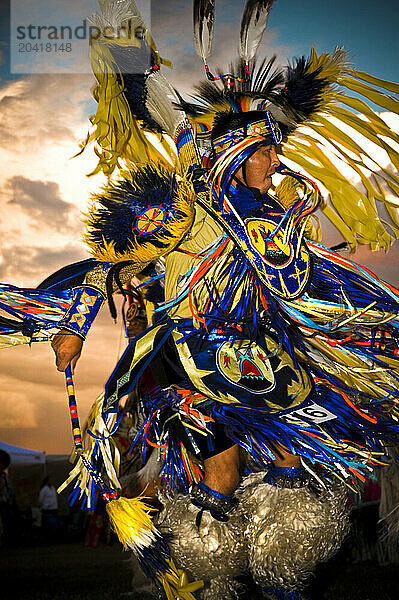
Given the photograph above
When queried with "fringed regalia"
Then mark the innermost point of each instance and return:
(260, 335)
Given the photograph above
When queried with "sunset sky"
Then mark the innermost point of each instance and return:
(43, 117)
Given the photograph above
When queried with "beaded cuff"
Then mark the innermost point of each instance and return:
(287, 477)
(97, 277)
(86, 303)
(279, 593)
(219, 505)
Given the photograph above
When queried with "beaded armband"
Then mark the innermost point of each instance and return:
(293, 478)
(219, 505)
(287, 477)
(86, 303)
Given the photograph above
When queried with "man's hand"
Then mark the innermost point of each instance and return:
(67, 348)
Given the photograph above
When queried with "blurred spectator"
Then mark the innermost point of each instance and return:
(8, 510)
(48, 503)
(98, 531)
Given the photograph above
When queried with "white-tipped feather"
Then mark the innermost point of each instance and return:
(160, 101)
(114, 14)
(253, 25)
(203, 18)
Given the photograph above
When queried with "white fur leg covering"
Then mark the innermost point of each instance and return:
(215, 552)
(221, 588)
(289, 531)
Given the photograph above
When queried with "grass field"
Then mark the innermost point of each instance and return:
(72, 572)
(65, 572)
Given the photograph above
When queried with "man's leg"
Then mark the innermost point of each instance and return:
(291, 525)
(222, 471)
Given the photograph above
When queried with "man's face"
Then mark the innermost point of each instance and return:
(259, 168)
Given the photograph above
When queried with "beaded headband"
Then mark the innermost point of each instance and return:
(266, 127)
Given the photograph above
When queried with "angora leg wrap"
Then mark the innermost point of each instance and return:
(221, 588)
(290, 530)
(215, 552)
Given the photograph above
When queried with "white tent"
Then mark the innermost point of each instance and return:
(23, 455)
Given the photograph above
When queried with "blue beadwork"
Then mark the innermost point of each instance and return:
(286, 471)
(86, 303)
(286, 476)
(279, 593)
(214, 493)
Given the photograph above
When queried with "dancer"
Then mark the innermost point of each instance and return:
(268, 378)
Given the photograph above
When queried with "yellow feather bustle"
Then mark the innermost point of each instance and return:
(352, 153)
(118, 134)
(162, 242)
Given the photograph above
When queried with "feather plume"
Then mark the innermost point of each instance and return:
(162, 103)
(112, 235)
(264, 83)
(203, 18)
(114, 14)
(253, 25)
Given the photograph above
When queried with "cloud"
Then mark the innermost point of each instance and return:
(28, 265)
(43, 190)
(40, 419)
(41, 200)
(16, 408)
(43, 109)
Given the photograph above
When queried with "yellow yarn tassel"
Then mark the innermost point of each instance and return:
(130, 519)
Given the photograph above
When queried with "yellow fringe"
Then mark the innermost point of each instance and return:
(352, 211)
(176, 584)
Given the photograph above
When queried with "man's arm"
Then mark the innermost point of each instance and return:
(88, 300)
(67, 347)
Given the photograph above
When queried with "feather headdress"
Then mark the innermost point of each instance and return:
(330, 133)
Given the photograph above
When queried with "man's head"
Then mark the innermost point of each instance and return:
(244, 146)
(257, 170)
